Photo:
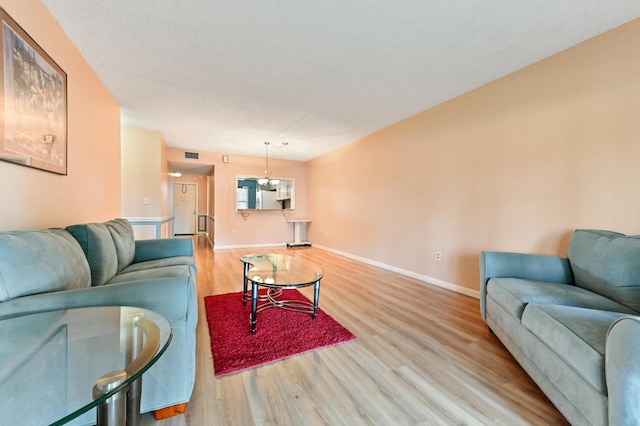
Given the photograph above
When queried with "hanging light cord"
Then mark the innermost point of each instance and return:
(267, 173)
(266, 147)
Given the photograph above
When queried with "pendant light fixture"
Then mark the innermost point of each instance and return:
(266, 182)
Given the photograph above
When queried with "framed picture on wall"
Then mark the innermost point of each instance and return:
(33, 103)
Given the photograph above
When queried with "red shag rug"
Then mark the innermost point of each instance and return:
(280, 333)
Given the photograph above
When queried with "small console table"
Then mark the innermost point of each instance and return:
(297, 232)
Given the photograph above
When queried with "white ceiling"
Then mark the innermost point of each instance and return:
(226, 75)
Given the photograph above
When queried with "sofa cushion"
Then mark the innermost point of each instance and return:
(577, 335)
(124, 240)
(607, 263)
(513, 295)
(40, 261)
(97, 244)
(159, 263)
(154, 273)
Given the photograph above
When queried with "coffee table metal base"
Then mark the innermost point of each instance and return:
(271, 301)
(283, 281)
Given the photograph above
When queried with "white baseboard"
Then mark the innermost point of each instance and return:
(241, 246)
(429, 280)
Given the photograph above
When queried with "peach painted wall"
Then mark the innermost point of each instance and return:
(260, 228)
(516, 165)
(166, 181)
(91, 191)
(143, 174)
(211, 204)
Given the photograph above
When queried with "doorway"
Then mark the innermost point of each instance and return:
(185, 206)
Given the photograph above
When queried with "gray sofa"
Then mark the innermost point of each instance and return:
(100, 264)
(572, 323)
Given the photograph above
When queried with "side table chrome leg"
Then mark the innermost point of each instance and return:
(112, 412)
(135, 342)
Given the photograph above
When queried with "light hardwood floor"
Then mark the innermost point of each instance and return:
(423, 356)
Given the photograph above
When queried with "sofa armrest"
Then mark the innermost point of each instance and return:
(521, 265)
(622, 369)
(175, 298)
(162, 248)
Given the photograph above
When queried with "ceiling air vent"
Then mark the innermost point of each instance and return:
(192, 155)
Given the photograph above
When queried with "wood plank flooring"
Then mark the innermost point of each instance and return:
(423, 356)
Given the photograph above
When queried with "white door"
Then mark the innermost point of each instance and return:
(184, 208)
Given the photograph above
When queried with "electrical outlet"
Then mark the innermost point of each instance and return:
(233, 233)
(145, 200)
(438, 255)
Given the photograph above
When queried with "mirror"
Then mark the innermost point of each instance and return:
(250, 195)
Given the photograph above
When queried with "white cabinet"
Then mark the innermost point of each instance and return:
(242, 198)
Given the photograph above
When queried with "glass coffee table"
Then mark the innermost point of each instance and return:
(55, 367)
(277, 272)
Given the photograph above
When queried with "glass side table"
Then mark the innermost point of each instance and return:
(57, 366)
